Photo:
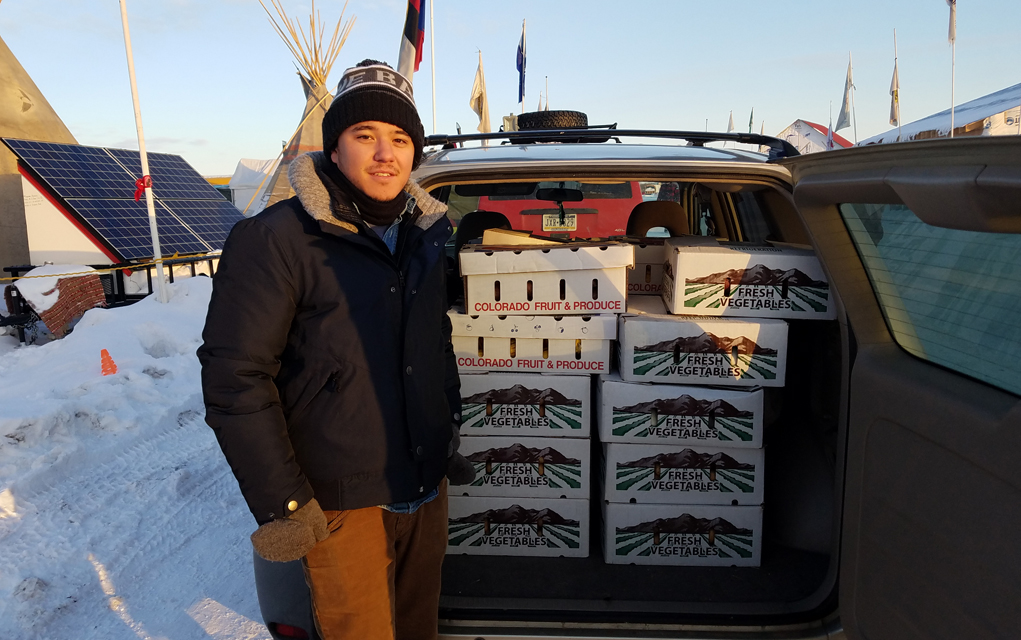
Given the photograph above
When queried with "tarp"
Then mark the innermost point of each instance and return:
(998, 112)
(245, 183)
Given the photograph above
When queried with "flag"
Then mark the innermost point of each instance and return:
(952, 35)
(751, 120)
(730, 125)
(478, 102)
(895, 98)
(539, 108)
(829, 135)
(521, 66)
(844, 118)
(411, 42)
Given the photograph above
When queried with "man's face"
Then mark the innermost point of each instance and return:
(376, 157)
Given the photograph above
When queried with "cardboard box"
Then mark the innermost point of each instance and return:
(642, 413)
(670, 474)
(505, 526)
(647, 276)
(684, 535)
(576, 345)
(696, 350)
(531, 467)
(745, 281)
(650, 257)
(566, 279)
(526, 404)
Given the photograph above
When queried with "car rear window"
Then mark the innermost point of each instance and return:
(950, 297)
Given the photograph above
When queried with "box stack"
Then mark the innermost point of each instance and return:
(526, 349)
(681, 425)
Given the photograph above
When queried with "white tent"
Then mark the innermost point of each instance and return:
(249, 183)
(996, 114)
(809, 137)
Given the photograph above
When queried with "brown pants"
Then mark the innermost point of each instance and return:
(377, 577)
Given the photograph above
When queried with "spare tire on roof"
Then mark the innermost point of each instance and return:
(561, 119)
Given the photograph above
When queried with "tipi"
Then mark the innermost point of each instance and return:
(25, 114)
(314, 64)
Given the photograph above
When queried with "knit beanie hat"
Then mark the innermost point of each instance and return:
(372, 90)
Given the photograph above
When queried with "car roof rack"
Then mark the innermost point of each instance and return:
(777, 148)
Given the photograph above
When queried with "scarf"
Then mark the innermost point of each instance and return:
(373, 212)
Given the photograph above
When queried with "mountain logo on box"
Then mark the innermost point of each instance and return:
(706, 356)
(758, 288)
(684, 418)
(514, 526)
(685, 536)
(687, 471)
(521, 466)
(520, 406)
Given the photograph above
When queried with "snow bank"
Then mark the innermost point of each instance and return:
(42, 292)
(119, 517)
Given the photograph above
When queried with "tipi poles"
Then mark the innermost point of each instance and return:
(146, 181)
(432, 58)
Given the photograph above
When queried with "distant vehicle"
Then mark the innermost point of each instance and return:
(892, 490)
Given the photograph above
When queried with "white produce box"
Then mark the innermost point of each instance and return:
(647, 276)
(643, 413)
(656, 347)
(745, 281)
(576, 345)
(526, 404)
(684, 535)
(671, 474)
(556, 280)
(505, 526)
(532, 467)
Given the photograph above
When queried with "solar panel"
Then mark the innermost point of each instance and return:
(74, 171)
(211, 221)
(99, 185)
(172, 177)
(125, 225)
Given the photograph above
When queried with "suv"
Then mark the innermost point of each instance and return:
(893, 493)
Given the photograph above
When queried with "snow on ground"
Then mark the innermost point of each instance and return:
(119, 517)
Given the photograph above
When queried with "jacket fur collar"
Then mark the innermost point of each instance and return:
(316, 199)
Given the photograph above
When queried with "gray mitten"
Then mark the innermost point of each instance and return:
(290, 538)
(459, 469)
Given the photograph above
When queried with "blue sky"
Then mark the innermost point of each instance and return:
(216, 84)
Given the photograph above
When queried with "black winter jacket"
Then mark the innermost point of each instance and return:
(327, 368)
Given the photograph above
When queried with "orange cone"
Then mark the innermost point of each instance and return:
(108, 365)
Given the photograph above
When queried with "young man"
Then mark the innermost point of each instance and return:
(328, 373)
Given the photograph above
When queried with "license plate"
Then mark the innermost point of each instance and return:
(551, 222)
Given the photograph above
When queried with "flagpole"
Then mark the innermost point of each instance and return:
(854, 114)
(899, 127)
(953, 82)
(953, 61)
(161, 291)
(432, 57)
(524, 51)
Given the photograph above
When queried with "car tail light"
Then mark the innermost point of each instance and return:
(287, 631)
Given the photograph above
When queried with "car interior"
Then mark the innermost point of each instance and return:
(797, 578)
